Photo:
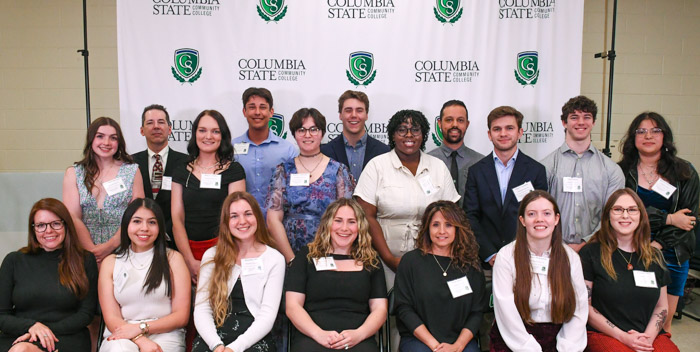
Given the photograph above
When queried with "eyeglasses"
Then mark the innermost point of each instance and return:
(630, 210)
(42, 226)
(643, 131)
(312, 130)
(403, 131)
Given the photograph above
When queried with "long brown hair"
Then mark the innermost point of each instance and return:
(361, 250)
(227, 253)
(71, 267)
(641, 239)
(464, 249)
(558, 275)
(89, 160)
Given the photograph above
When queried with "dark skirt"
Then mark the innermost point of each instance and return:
(544, 333)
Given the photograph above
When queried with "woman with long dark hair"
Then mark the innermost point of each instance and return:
(144, 287)
(240, 286)
(540, 299)
(98, 188)
(443, 268)
(200, 187)
(670, 190)
(48, 289)
(627, 280)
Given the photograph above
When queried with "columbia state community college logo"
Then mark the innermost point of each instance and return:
(527, 71)
(437, 134)
(186, 67)
(272, 10)
(448, 11)
(361, 68)
(277, 126)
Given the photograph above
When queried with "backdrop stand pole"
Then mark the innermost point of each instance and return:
(84, 52)
(610, 55)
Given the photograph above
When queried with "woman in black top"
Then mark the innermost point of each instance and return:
(200, 187)
(626, 281)
(439, 285)
(336, 293)
(48, 289)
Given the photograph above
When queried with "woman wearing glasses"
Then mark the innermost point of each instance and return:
(395, 188)
(668, 186)
(48, 289)
(301, 189)
(626, 281)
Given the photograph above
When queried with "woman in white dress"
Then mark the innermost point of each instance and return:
(144, 288)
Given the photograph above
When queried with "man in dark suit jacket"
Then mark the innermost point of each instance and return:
(497, 183)
(354, 147)
(156, 127)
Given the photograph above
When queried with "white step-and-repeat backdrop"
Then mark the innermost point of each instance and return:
(191, 55)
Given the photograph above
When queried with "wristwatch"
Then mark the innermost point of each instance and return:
(144, 328)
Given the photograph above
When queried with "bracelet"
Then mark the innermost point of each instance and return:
(136, 337)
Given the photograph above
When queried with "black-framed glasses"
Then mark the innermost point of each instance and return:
(621, 210)
(643, 131)
(403, 131)
(42, 226)
(312, 130)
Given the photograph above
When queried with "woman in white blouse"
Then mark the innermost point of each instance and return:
(540, 298)
(240, 282)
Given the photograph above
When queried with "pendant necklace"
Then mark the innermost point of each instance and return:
(444, 271)
(629, 262)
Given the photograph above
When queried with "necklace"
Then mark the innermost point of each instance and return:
(310, 156)
(651, 177)
(141, 266)
(444, 271)
(629, 262)
(306, 168)
(203, 167)
(106, 173)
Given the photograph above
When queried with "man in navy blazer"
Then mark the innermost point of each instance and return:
(497, 183)
(156, 127)
(354, 147)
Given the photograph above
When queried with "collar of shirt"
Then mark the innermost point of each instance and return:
(566, 149)
(163, 153)
(510, 162)
(271, 138)
(397, 164)
(360, 143)
(447, 151)
(545, 254)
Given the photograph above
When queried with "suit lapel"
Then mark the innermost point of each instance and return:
(518, 176)
(492, 180)
(339, 148)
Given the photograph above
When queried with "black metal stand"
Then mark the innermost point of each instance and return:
(84, 52)
(610, 55)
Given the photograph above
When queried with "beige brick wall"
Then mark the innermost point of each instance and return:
(42, 104)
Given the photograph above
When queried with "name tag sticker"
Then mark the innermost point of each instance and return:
(324, 263)
(573, 184)
(120, 279)
(522, 190)
(663, 188)
(299, 180)
(459, 287)
(241, 148)
(212, 181)
(114, 186)
(645, 279)
(167, 183)
(540, 265)
(251, 266)
(427, 185)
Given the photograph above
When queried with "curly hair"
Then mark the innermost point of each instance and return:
(670, 166)
(413, 118)
(641, 239)
(464, 249)
(580, 103)
(89, 160)
(361, 250)
(225, 152)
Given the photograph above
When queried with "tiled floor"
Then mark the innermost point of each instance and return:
(686, 331)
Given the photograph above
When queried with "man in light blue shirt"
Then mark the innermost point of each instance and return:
(258, 150)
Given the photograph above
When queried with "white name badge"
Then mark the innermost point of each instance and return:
(522, 190)
(573, 184)
(251, 266)
(299, 180)
(540, 265)
(212, 181)
(120, 279)
(114, 186)
(663, 188)
(241, 148)
(459, 287)
(644, 279)
(324, 263)
(427, 185)
(166, 184)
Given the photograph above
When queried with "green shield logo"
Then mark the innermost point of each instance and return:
(437, 133)
(361, 68)
(277, 125)
(527, 70)
(448, 11)
(272, 10)
(186, 67)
